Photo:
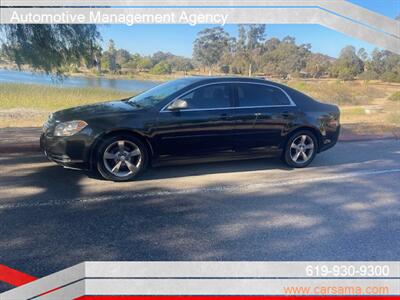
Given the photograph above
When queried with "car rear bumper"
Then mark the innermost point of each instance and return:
(330, 139)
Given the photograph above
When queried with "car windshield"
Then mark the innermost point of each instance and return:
(159, 93)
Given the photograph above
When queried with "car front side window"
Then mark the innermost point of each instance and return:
(214, 96)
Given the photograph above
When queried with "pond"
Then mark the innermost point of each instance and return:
(130, 85)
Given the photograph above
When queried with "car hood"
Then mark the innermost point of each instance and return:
(92, 110)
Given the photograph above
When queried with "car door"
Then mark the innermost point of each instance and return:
(205, 126)
(263, 112)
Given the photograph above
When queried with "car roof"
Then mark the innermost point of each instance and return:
(209, 79)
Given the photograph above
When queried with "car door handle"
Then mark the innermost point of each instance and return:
(286, 114)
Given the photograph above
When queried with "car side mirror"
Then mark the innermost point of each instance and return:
(178, 104)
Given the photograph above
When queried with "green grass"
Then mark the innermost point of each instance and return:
(395, 96)
(50, 98)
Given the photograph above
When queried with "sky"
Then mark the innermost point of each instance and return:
(178, 39)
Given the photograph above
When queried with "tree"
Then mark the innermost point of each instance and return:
(240, 63)
(286, 57)
(180, 63)
(317, 65)
(385, 65)
(122, 56)
(145, 63)
(249, 46)
(133, 61)
(348, 65)
(50, 47)
(97, 55)
(112, 56)
(289, 40)
(209, 46)
(271, 44)
(251, 36)
(391, 64)
(362, 54)
(161, 56)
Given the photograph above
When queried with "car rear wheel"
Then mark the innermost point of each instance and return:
(301, 149)
(121, 158)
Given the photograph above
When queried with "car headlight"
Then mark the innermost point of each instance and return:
(69, 128)
(46, 124)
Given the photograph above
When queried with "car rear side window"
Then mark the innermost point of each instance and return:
(260, 95)
(210, 96)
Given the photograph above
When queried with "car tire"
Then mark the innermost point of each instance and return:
(300, 149)
(121, 158)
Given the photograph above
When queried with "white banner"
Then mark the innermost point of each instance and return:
(338, 15)
(215, 278)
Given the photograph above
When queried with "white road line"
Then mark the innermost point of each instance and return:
(222, 188)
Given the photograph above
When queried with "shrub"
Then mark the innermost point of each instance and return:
(345, 74)
(224, 69)
(235, 70)
(368, 75)
(395, 96)
(161, 68)
(390, 77)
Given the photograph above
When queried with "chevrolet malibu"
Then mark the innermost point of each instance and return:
(194, 119)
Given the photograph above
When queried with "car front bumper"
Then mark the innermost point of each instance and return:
(70, 152)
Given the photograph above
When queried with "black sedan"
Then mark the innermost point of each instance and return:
(191, 120)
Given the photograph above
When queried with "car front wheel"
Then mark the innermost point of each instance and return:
(301, 149)
(121, 158)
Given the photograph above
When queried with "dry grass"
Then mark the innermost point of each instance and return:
(341, 93)
(369, 108)
(23, 105)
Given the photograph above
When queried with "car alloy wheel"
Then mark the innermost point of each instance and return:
(301, 149)
(122, 158)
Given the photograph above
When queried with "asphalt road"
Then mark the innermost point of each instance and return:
(345, 206)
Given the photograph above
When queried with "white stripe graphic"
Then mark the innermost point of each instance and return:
(46, 284)
(347, 9)
(342, 16)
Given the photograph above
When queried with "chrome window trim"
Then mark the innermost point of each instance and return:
(165, 110)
